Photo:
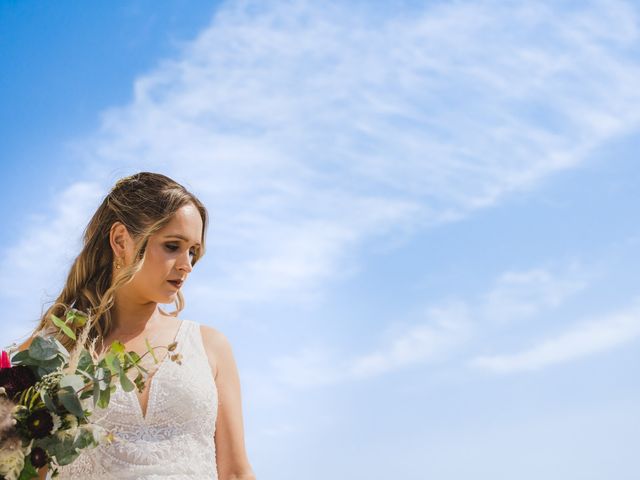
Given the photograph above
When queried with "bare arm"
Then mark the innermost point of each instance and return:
(231, 454)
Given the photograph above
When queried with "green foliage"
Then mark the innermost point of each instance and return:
(48, 401)
(47, 355)
(74, 381)
(28, 471)
(85, 362)
(31, 399)
(63, 449)
(43, 349)
(63, 326)
(60, 391)
(69, 399)
(150, 350)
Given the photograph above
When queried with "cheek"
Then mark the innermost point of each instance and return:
(156, 261)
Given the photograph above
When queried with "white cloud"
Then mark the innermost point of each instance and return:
(517, 295)
(311, 366)
(440, 332)
(584, 338)
(33, 269)
(311, 128)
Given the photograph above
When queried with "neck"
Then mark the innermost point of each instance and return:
(130, 318)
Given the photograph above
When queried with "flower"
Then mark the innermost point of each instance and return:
(5, 362)
(40, 423)
(11, 457)
(176, 357)
(39, 457)
(69, 428)
(16, 379)
(7, 420)
(57, 422)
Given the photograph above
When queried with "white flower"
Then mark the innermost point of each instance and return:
(11, 458)
(71, 431)
(7, 420)
(100, 434)
(57, 422)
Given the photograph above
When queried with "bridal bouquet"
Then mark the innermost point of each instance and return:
(46, 393)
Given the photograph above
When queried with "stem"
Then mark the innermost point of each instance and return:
(92, 383)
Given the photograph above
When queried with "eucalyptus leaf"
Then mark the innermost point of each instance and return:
(134, 357)
(127, 385)
(62, 449)
(74, 381)
(48, 401)
(48, 365)
(84, 439)
(86, 375)
(47, 368)
(112, 363)
(43, 348)
(105, 396)
(68, 397)
(61, 348)
(104, 378)
(85, 362)
(20, 357)
(96, 394)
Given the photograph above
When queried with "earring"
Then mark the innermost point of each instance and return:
(117, 264)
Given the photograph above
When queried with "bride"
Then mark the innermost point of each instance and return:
(139, 248)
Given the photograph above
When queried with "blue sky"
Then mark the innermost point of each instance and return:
(422, 246)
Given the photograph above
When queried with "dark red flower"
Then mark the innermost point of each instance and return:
(16, 379)
(39, 457)
(40, 423)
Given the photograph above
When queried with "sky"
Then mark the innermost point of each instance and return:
(422, 244)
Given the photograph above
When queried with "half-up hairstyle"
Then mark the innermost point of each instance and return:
(144, 203)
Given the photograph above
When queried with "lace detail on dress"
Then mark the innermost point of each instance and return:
(176, 438)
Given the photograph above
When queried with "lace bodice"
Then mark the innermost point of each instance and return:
(175, 440)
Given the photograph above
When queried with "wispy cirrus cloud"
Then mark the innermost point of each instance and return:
(309, 129)
(438, 333)
(584, 338)
(33, 268)
(517, 295)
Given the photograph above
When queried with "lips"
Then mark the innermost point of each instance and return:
(175, 283)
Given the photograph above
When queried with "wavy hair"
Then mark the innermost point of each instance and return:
(144, 203)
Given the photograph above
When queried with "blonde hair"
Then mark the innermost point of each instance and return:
(144, 203)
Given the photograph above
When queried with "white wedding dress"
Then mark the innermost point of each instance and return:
(175, 440)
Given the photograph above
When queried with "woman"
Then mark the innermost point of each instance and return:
(139, 249)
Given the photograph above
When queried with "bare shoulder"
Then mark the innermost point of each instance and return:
(212, 337)
(217, 346)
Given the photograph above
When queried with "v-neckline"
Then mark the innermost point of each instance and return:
(145, 415)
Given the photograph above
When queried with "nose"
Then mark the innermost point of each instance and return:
(185, 265)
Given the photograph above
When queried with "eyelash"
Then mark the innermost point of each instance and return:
(173, 248)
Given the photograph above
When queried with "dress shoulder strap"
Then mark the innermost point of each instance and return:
(193, 350)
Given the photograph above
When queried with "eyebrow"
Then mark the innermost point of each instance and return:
(181, 237)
